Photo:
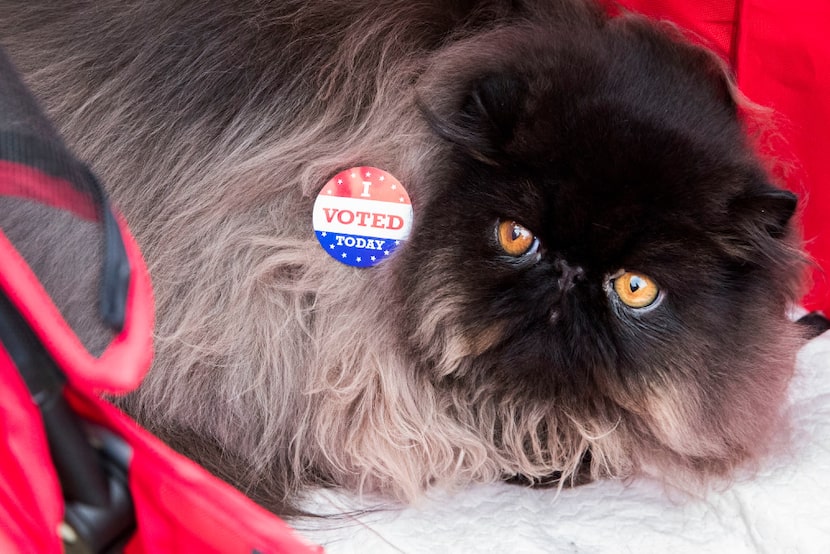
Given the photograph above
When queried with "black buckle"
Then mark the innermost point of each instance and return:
(91, 529)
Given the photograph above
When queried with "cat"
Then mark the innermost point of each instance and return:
(597, 277)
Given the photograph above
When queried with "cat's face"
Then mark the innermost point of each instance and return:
(601, 241)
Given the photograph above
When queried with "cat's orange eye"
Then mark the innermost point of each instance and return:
(636, 290)
(515, 239)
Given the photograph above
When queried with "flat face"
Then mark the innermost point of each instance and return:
(624, 182)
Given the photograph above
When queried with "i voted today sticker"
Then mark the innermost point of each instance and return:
(361, 216)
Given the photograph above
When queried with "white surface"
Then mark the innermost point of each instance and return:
(783, 508)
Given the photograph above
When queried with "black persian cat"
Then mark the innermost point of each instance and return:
(596, 279)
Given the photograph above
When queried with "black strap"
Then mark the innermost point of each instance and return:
(115, 273)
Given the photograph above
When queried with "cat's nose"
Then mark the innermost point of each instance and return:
(568, 274)
(566, 277)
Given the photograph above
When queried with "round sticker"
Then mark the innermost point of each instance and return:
(361, 216)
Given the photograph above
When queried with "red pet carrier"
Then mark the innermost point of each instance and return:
(75, 322)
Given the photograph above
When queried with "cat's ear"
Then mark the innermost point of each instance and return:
(719, 76)
(703, 63)
(767, 209)
(482, 119)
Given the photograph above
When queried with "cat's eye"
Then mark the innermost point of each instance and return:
(515, 239)
(636, 290)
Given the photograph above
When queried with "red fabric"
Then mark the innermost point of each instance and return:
(30, 498)
(179, 506)
(182, 508)
(130, 351)
(783, 62)
(780, 52)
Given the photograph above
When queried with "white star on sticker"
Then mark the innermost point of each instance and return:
(323, 233)
(331, 246)
(373, 258)
(340, 181)
(353, 175)
(397, 242)
(401, 198)
(343, 255)
(393, 187)
(328, 191)
(381, 179)
(359, 259)
(368, 174)
(386, 252)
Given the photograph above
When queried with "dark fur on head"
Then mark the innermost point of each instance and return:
(216, 123)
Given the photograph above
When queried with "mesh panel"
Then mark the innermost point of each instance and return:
(65, 253)
(55, 215)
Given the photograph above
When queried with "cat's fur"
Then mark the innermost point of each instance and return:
(214, 125)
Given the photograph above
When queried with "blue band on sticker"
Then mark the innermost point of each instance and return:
(355, 250)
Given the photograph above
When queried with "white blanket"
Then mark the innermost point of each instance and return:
(783, 508)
